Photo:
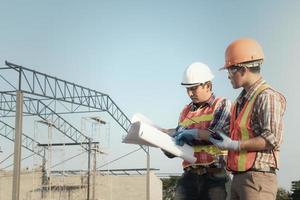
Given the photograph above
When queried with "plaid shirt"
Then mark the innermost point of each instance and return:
(266, 121)
(221, 121)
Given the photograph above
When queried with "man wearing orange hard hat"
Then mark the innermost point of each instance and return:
(255, 125)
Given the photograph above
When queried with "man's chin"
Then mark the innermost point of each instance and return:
(236, 86)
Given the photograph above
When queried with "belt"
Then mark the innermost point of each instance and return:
(199, 170)
(271, 170)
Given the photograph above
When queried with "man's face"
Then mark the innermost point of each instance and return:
(199, 93)
(235, 75)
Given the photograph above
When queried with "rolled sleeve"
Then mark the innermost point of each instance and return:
(271, 107)
(222, 116)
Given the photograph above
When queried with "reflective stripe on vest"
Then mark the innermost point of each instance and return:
(205, 154)
(240, 130)
(197, 119)
(211, 149)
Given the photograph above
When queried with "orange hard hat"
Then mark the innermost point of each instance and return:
(244, 50)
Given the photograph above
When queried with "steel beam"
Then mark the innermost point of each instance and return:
(28, 143)
(43, 85)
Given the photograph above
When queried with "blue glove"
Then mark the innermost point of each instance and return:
(225, 143)
(186, 136)
(178, 130)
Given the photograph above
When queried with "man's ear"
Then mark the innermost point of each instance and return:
(208, 86)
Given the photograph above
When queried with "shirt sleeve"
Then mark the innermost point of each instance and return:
(221, 117)
(271, 107)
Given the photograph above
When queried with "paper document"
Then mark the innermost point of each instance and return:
(144, 132)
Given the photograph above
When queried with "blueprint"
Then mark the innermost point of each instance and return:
(144, 132)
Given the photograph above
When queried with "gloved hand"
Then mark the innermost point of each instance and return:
(227, 143)
(178, 130)
(186, 136)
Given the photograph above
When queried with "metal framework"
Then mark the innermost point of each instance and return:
(116, 172)
(39, 84)
(32, 93)
(37, 107)
(28, 143)
(53, 97)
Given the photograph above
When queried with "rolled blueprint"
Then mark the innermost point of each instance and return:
(144, 132)
(133, 136)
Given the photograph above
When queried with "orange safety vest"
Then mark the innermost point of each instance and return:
(201, 119)
(240, 129)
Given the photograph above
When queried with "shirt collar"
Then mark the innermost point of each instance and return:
(247, 95)
(208, 102)
(211, 100)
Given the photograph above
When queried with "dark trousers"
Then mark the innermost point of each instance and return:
(192, 186)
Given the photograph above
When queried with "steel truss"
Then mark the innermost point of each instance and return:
(43, 85)
(37, 107)
(28, 143)
(49, 97)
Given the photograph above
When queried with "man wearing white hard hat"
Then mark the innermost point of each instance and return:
(206, 178)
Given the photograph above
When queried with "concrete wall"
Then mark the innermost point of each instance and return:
(107, 187)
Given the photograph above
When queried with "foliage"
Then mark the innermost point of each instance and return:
(283, 194)
(295, 190)
(169, 187)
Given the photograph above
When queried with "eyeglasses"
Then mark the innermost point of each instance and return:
(232, 70)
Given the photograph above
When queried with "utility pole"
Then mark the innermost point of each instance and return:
(147, 151)
(44, 175)
(148, 174)
(17, 144)
(94, 170)
(95, 149)
(89, 169)
(89, 157)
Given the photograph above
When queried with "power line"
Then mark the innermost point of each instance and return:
(21, 160)
(66, 160)
(119, 158)
(7, 158)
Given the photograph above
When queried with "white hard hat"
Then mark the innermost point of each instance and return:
(195, 74)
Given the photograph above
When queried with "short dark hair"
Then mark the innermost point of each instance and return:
(208, 83)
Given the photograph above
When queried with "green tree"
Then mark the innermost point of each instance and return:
(283, 194)
(295, 190)
(169, 187)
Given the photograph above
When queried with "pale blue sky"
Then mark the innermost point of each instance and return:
(137, 50)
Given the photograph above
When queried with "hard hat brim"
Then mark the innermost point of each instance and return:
(188, 85)
(222, 68)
